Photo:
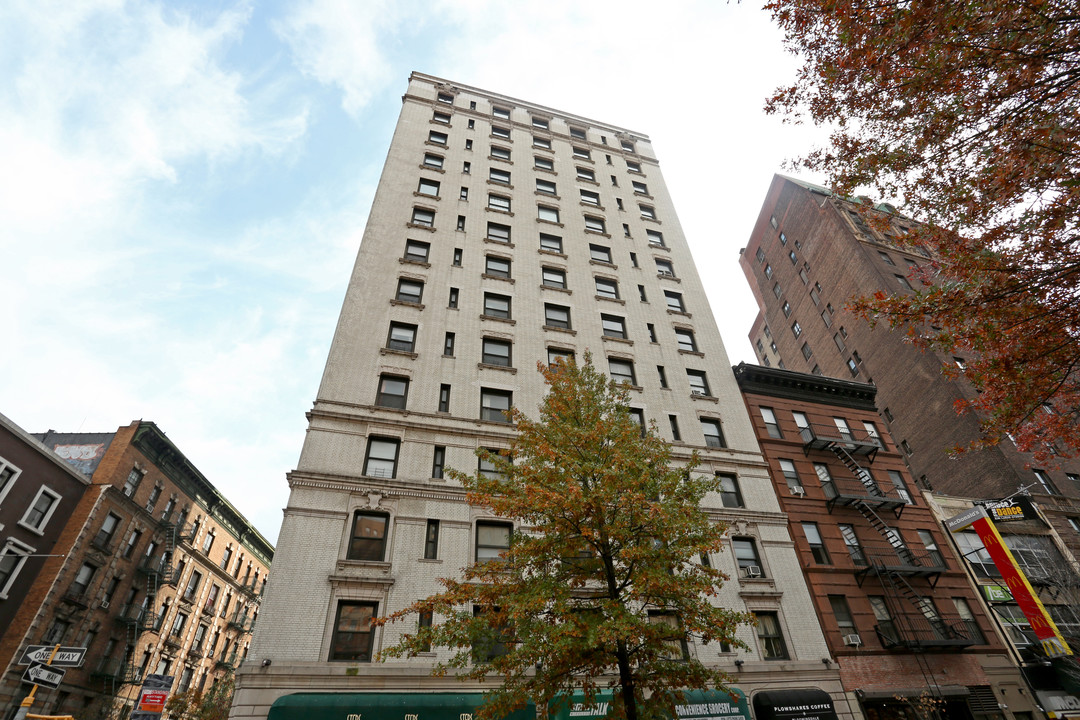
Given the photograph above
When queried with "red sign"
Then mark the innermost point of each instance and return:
(153, 700)
(1042, 625)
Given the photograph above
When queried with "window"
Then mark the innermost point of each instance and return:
(600, 253)
(368, 540)
(555, 354)
(410, 291)
(193, 585)
(746, 557)
(393, 391)
(796, 329)
(353, 633)
(665, 268)
(464, 194)
(671, 634)
(546, 187)
(431, 543)
(817, 545)
(582, 153)
(1046, 483)
(826, 318)
(885, 257)
(496, 352)
(547, 214)
(151, 501)
(500, 153)
(402, 337)
(686, 339)
(777, 290)
(416, 251)
(844, 621)
(40, 510)
(551, 243)
(104, 536)
(853, 367)
(492, 540)
(553, 277)
(907, 448)
(461, 223)
(498, 202)
(540, 123)
(542, 143)
(932, 551)
(82, 581)
(496, 305)
(806, 351)
(652, 331)
(501, 177)
(500, 132)
(647, 212)
(428, 187)
(760, 254)
(436, 137)
(438, 462)
(499, 112)
(901, 486)
(640, 188)
(803, 276)
(595, 224)
(768, 271)
(963, 611)
(557, 316)
(585, 174)
(498, 232)
(815, 296)
(622, 371)
(638, 416)
(633, 167)
(771, 425)
(902, 281)
(699, 384)
(606, 288)
(641, 293)
(729, 491)
(714, 435)
(791, 475)
(769, 636)
(494, 404)
(543, 163)
(433, 161)
(577, 133)
(381, 459)
(444, 98)
(613, 326)
(448, 345)
(854, 548)
(497, 266)
(786, 307)
(422, 217)
(590, 198)
(675, 301)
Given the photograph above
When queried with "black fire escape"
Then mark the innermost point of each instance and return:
(909, 619)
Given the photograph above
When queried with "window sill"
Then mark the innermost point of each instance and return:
(404, 353)
(706, 398)
(593, 206)
(493, 318)
(542, 251)
(578, 158)
(696, 353)
(557, 289)
(501, 368)
(440, 123)
(544, 149)
(652, 220)
(602, 263)
(681, 313)
(496, 183)
(549, 196)
(504, 243)
(654, 246)
(643, 195)
(31, 528)
(418, 263)
(556, 223)
(587, 181)
(501, 138)
(593, 232)
(408, 303)
(554, 328)
(436, 198)
(432, 561)
(432, 168)
(668, 277)
(498, 277)
(610, 338)
(442, 146)
(545, 170)
(429, 228)
(508, 161)
(500, 211)
(619, 301)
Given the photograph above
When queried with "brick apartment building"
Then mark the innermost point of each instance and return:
(900, 616)
(38, 493)
(810, 253)
(162, 575)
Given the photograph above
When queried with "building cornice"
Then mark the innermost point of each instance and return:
(805, 387)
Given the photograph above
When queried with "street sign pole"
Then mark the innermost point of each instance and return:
(28, 701)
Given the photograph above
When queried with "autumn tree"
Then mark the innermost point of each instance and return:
(602, 577)
(967, 113)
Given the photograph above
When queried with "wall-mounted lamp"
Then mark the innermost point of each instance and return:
(826, 661)
(739, 663)
(266, 662)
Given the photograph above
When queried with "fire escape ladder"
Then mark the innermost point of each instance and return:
(863, 475)
(897, 543)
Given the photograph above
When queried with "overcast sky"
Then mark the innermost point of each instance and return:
(184, 186)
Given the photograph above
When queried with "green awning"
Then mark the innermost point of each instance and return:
(383, 706)
(696, 705)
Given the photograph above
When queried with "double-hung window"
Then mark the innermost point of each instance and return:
(382, 455)
(600, 253)
(554, 277)
(353, 632)
(497, 305)
(547, 214)
(494, 404)
(498, 202)
(497, 266)
(496, 352)
(393, 391)
(685, 339)
(41, 509)
(714, 434)
(730, 496)
(502, 177)
(595, 224)
(622, 371)
(368, 541)
(428, 187)
(492, 541)
(551, 243)
(590, 198)
(699, 384)
(402, 337)
(613, 326)
(607, 288)
(675, 301)
(557, 316)
(411, 291)
(416, 251)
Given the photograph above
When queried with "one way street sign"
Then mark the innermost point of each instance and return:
(65, 656)
(43, 675)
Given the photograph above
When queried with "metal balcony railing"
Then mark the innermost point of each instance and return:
(917, 632)
(137, 615)
(848, 490)
(856, 440)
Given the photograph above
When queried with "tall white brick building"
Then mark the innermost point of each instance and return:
(502, 234)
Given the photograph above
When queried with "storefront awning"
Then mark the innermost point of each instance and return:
(695, 705)
(801, 704)
(383, 706)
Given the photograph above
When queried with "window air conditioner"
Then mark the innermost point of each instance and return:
(798, 490)
(752, 571)
(852, 640)
(104, 604)
(696, 391)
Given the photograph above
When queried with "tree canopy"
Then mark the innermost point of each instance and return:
(603, 576)
(967, 113)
